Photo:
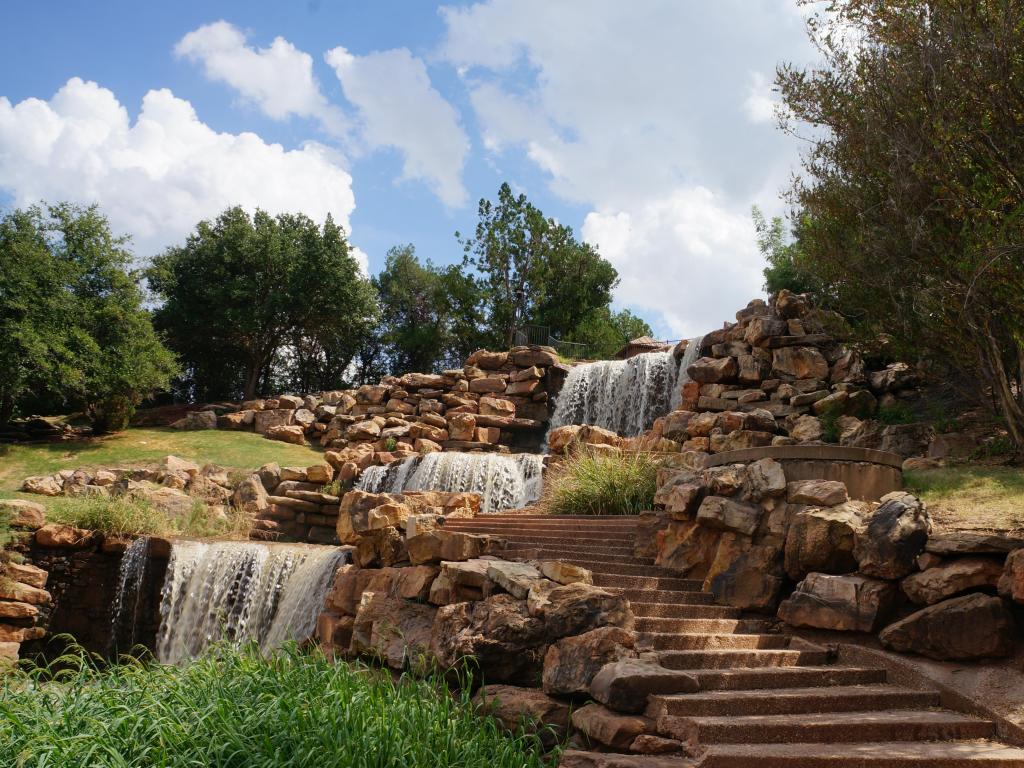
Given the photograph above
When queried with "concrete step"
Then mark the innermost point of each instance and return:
(525, 533)
(828, 727)
(594, 519)
(556, 539)
(664, 610)
(577, 553)
(540, 525)
(676, 641)
(791, 701)
(623, 569)
(647, 582)
(741, 659)
(648, 599)
(901, 754)
(575, 758)
(783, 677)
(717, 626)
(670, 624)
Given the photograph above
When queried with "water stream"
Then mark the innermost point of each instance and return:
(504, 481)
(625, 396)
(241, 592)
(131, 577)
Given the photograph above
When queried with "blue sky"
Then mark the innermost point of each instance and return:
(647, 126)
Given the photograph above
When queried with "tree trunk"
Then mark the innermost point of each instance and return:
(252, 379)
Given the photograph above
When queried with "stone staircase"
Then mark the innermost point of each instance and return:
(765, 700)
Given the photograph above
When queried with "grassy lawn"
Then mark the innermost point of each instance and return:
(234, 450)
(234, 708)
(972, 497)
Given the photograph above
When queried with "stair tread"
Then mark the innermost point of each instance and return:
(802, 693)
(870, 753)
(849, 718)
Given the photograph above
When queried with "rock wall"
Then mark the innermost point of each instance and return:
(24, 599)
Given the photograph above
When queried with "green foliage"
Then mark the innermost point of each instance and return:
(532, 271)
(830, 430)
(138, 517)
(784, 269)
(593, 483)
(910, 204)
(233, 708)
(260, 303)
(995, 447)
(896, 413)
(75, 333)
(606, 332)
(390, 444)
(429, 315)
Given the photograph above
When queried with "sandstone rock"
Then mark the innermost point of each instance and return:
(625, 685)
(251, 495)
(739, 440)
(852, 603)
(238, 421)
(686, 547)
(270, 476)
(609, 728)
(752, 578)
(683, 499)
(63, 536)
(764, 479)
(973, 543)
(951, 578)
(708, 370)
(461, 426)
(525, 708)
(22, 593)
(729, 515)
(197, 420)
(724, 481)
(823, 539)
(526, 357)
(43, 485)
(761, 329)
(460, 582)
(895, 536)
(322, 473)
(675, 425)
(1011, 583)
(291, 434)
(905, 439)
(489, 361)
(974, 626)
(21, 513)
(806, 429)
(25, 574)
(799, 363)
(263, 421)
(824, 493)
(9, 610)
(514, 578)
(791, 305)
(564, 573)
(435, 546)
(571, 663)
(394, 630)
(576, 608)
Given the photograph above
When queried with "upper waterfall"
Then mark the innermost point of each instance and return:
(625, 396)
(504, 481)
(241, 592)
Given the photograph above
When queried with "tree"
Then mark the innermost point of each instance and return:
(782, 254)
(250, 302)
(605, 332)
(532, 270)
(429, 315)
(912, 198)
(75, 332)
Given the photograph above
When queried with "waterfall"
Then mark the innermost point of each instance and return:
(625, 396)
(130, 578)
(241, 592)
(504, 481)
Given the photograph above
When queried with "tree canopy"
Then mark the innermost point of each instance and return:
(71, 317)
(256, 303)
(911, 201)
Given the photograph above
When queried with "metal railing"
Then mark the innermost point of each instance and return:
(541, 335)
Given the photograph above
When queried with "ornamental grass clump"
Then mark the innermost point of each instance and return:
(592, 483)
(237, 708)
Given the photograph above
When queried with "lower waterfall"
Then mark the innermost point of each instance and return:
(504, 481)
(241, 592)
(625, 396)
(131, 577)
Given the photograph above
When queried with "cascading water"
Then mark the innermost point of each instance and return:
(124, 614)
(241, 592)
(625, 396)
(504, 481)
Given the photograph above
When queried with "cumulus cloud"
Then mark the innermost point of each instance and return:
(400, 108)
(277, 79)
(759, 104)
(157, 177)
(638, 111)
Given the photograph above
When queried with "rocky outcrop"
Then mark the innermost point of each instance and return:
(974, 626)
(571, 663)
(849, 603)
(895, 535)
(517, 708)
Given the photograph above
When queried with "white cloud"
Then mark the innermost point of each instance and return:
(759, 104)
(157, 177)
(361, 259)
(638, 111)
(400, 108)
(278, 79)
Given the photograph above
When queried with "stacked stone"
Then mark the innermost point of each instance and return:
(23, 592)
(771, 377)
(498, 401)
(751, 535)
(291, 503)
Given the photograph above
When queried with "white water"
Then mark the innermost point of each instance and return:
(241, 592)
(130, 579)
(504, 481)
(625, 396)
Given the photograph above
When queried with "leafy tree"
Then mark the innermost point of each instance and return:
(532, 270)
(250, 302)
(782, 254)
(75, 332)
(429, 315)
(606, 332)
(912, 198)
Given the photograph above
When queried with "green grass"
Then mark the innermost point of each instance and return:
(601, 484)
(136, 517)
(236, 709)
(979, 497)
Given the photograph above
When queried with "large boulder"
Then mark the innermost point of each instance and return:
(435, 546)
(751, 577)
(729, 515)
(251, 495)
(824, 493)
(951, 578)
(1011, 583)
(263, 421)
(626, 685)
(894, 537)
(764, 479)
(45, 485)
(576, 608)
(394, 630)
(686, 547)
(709, 370)
(823, 539)
(516, 708)
(571, 663)
(853, 603)
(974, 626)
(461, 581)
(21, 513)
(799, 363)
(612, 729)
(515, 578)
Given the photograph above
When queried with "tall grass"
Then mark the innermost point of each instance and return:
(138, 517)
(237, 709)
(591, 483)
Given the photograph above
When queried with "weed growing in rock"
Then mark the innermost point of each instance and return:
(589, 483)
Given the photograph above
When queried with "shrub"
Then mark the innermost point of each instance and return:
(237, 708)
(896, 413)
(591, 483)
(120, 515)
